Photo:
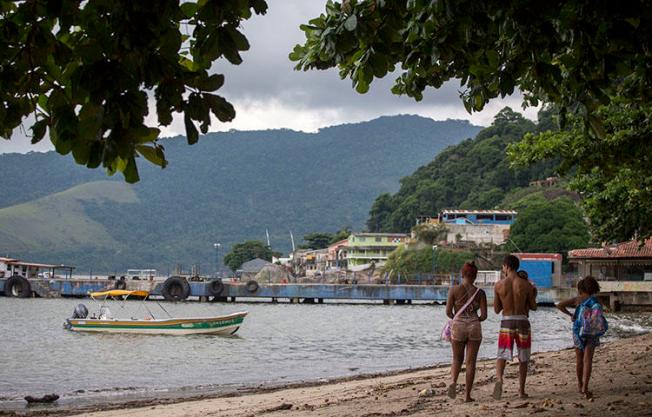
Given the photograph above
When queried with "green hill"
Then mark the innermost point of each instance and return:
(474, 174)
(59, 223)
(228, 188)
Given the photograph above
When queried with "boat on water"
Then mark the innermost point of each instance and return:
(104, 322)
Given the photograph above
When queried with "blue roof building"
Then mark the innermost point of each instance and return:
(505, 217)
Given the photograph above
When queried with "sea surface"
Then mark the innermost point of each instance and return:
(278, 344)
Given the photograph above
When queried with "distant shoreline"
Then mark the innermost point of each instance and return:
(551, 386)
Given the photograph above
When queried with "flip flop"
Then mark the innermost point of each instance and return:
(498, 390)
(452, 391)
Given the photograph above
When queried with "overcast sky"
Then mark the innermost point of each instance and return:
(267, 93)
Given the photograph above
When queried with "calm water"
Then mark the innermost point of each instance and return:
(278, 343)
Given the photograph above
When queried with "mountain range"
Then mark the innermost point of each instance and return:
(230, 187)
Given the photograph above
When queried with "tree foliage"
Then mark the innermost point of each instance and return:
(317, 240)
(587, 57)
(474, 174)
(321, 240)
(408, 261)
(243, 252)
(612, 174)
(550, 226)
(430, 233)
(84, 72)
(573, 53)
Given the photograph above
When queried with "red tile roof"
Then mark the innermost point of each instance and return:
(631, 249)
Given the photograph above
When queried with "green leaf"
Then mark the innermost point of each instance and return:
(211, 83)
(238, 38)
(191, 131)
(131, 171)
(152, 154)
(297, 53)
(81, 152)
(38, 130)
(146, 134)
(221, 108)
(90, 119)
(43, 102)
(189, 9)
(95, 154)
(362, 87)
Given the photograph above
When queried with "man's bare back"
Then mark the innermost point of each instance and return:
(514, 296)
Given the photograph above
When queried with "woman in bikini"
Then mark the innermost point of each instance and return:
(584, 345)
(466, 331)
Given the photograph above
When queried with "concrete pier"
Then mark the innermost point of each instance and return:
(295, 293)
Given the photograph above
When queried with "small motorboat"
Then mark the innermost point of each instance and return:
(104, 322)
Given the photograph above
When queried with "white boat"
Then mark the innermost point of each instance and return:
(103, 322)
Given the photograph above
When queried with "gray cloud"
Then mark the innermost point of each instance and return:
(267, 71)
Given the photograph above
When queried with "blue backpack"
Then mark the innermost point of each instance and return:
(591, 318)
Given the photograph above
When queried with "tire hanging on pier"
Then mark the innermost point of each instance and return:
(175, 288)
(18, 286)
(215, 287)
(252, 286)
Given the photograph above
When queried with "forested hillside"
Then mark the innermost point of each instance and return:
(227, 188)
(474, 174)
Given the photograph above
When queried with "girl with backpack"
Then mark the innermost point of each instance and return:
(589, 324)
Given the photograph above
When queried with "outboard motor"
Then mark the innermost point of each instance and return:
(81, 312)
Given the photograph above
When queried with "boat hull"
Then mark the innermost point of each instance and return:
(223, 325)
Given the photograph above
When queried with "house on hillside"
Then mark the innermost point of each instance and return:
(476, 226)
(366, 250)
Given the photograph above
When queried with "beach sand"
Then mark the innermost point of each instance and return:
(621, 384)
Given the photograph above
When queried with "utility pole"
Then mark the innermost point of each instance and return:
(217, 246)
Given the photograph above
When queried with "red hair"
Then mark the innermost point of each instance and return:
(469, 270)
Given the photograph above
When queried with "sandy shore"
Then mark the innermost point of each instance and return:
(621, 383)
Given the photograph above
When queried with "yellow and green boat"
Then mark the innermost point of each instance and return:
(104, 322)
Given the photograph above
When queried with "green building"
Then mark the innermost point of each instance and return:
(363, 249)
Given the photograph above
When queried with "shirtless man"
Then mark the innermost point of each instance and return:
(515, 297)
